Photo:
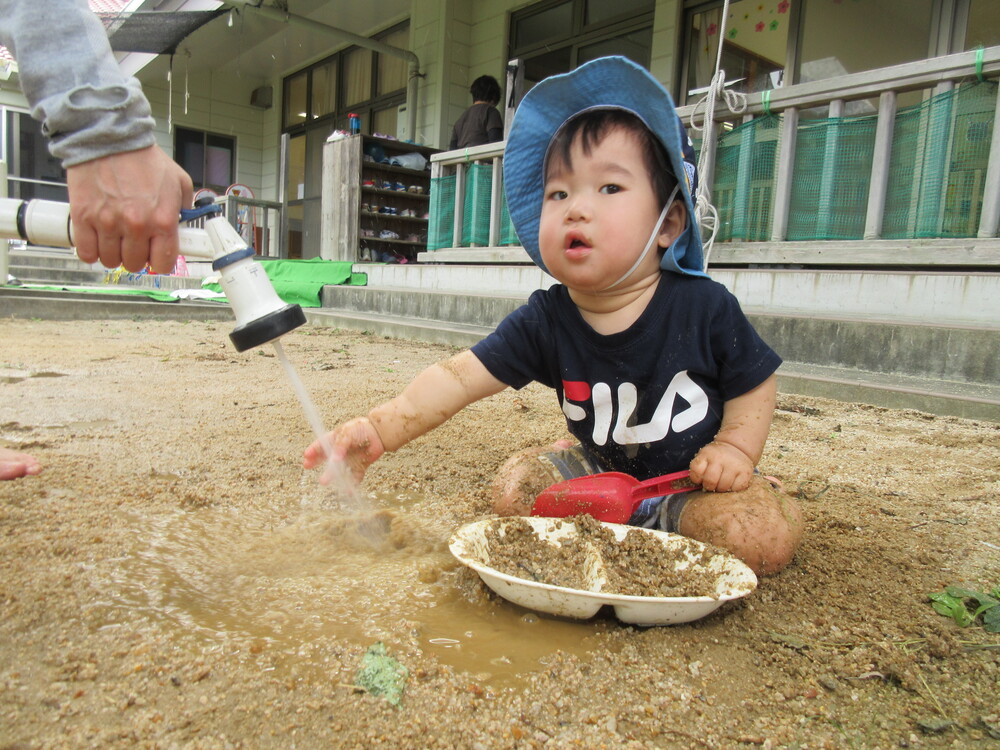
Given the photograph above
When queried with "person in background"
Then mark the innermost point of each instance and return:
(125, 192)
(481, 122)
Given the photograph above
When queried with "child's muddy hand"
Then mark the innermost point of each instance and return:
(721, 467)
(355, 444)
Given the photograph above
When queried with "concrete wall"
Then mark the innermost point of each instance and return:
(216, 103)
(668, 30)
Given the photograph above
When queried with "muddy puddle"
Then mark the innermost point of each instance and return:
(13, 376)
(297, 584)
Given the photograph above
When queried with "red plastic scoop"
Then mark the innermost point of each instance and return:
(611, 496)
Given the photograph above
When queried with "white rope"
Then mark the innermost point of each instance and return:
(704, 212)
(170, 96)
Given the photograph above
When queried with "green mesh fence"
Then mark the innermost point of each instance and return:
(830, 178)
(743, 190)
(936, 180)
(478, 194)
(937, 172)
(508, 237)
(441, 226)
(476, 211)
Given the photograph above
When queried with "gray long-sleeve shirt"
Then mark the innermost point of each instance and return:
(88, 108)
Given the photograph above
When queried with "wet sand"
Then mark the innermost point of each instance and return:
(174, 578)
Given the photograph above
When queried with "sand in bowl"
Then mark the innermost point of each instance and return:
(638, 565)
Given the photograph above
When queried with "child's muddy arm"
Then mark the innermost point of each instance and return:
(727, 463)
(432, 398)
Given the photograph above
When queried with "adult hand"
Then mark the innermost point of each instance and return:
(125, 209)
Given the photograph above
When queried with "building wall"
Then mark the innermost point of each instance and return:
(455, 40)
(216, 103)
(665, 60)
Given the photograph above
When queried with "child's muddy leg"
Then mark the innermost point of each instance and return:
(760, 525)
(522, 477)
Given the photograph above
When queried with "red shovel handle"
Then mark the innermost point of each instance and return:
(668, 484)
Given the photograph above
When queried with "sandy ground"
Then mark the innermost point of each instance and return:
(174, 579)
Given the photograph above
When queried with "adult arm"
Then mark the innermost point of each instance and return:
(125, 193)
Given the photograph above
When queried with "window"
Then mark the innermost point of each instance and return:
(357, 76)
(393, 71)
(357, 80)
(295, 99)
(32, 171)
(210, 159)
(753, 52)
(318, 100)
(324, 89)
(555, 37)
(770, 43)
(841, 38)
(983, 27)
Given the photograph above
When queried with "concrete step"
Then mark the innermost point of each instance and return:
(943, 370)
(960, 353)
(943, 298)
(54, 276)
(474, 309)
(934, 396)
(59, 305)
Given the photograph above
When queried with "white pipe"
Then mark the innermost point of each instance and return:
(47, 223)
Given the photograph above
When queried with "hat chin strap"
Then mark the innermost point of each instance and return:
(650, 242)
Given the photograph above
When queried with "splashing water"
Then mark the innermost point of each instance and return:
(339, 475)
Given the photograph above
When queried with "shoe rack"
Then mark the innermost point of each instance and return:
(373, 210)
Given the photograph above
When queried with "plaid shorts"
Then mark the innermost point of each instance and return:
(661, 512)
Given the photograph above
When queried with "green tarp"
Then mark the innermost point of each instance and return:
(300, 281)
(295, 281)
(159, 295)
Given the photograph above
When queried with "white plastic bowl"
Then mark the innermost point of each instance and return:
(734, 578)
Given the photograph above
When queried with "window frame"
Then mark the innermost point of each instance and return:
(949, 21)
(365, 108)
(232, 144)
(580, 34)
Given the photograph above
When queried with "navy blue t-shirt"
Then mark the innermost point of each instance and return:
(643, 401)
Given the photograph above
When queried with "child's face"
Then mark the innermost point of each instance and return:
(597, 215)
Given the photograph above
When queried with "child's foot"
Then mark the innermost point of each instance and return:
(14, 465)
(519, 481)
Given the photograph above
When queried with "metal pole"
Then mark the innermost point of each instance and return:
(4, 244)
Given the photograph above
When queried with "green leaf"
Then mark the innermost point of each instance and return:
(991, 620)
(962, 593)
(951, 606)
(380, 674)
(984, 608)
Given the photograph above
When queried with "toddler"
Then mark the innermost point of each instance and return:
(655, 366)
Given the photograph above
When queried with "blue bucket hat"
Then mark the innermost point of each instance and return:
(605, 83)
